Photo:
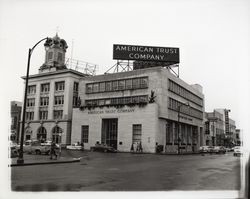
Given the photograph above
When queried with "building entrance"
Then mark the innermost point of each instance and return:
(109, 132)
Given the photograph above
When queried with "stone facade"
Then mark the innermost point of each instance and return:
(155, 114)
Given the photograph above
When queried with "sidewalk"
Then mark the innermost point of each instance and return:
(42, 159)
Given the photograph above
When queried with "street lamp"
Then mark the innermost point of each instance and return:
(179, 109)
(20, 159)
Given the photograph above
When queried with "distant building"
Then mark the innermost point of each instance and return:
(52, 93)
(145, 106)
(238, 138)
(15, 113)
(219, 128)
(214, 128)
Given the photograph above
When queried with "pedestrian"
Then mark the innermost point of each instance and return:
(82, 146)
(140, 147)
(53, 150)
(59, 150)
(132, 148)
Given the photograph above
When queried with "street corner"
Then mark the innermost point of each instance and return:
(42, 160)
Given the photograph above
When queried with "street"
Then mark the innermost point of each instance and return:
(131, 172)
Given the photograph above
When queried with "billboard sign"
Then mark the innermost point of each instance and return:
(145, 53)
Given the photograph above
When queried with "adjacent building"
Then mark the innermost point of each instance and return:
(15, 113)
(150, 107)
(52, 93)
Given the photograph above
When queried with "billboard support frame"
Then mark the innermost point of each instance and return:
(124, 66)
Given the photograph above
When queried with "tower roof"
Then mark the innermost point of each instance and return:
(56, 42)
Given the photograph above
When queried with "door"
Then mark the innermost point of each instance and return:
(109, 132)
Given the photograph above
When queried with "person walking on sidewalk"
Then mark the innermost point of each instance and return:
(53, 150)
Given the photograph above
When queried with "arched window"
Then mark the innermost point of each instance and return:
(28, 133)
(42, 134)
(56, 134)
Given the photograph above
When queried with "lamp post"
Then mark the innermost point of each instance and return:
(179, 110)
(20, 159)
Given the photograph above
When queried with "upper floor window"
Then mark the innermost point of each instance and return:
(108, 86)
(32, 89)
(58, 114)
(45, 88)
(44, 101)
(50, 55)
(121, 84)
(116, 85)
(59, 100)
(136, 83)
(59, 57)
(95, 88)
(144, 82)
(30, 102)
(102, 87)
(76, 85)
(30, 115)
(43, 115)
(59, 86)
(128, 83)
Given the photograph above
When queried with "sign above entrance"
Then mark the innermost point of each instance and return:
(145, 53)
(111, 111)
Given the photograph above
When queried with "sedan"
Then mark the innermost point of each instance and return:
(75, 146)
(238, 151)
(103, 148)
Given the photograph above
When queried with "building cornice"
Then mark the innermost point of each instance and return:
(59, 72)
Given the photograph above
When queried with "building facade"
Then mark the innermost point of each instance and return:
(220, 129)
(150, 107)
(214, 129)
(51, 95)
(15, 113)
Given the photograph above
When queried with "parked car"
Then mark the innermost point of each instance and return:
(103, 148)
(38, 148)
(218, 150)
(75, 146)
(204, 149)
(238, 151)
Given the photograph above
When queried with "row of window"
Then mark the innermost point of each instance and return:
(45, 88)
(176, 105)
(43, 115)
(116, 85)
(179, 90)
(44, 101)
(187, 136)
(117, 101)
(59, 56)
(42, 134)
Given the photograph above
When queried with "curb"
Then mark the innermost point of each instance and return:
(51, 162)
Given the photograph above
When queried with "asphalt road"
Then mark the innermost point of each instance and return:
(131, 172)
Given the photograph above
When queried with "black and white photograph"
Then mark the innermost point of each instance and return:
(127, 99)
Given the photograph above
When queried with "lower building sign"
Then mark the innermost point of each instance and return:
(111, 111)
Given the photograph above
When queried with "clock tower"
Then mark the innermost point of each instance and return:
(55, 49)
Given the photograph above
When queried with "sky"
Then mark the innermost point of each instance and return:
(213, 37)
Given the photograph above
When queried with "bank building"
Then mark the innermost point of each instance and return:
(148, 105)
